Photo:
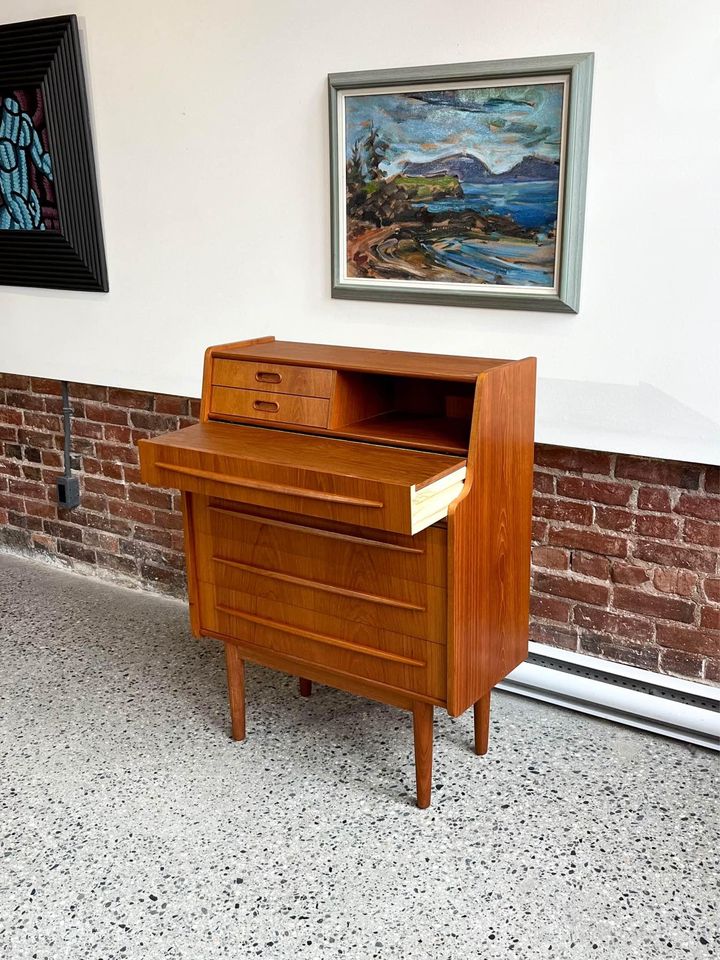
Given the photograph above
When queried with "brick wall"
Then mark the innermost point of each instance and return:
(625, 550)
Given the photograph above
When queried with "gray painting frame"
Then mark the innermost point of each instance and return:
(578, 68)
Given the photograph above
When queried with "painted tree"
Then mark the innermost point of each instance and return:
(375, 150)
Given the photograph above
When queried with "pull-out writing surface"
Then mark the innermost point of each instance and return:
(366, 484)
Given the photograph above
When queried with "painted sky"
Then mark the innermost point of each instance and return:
(500, 125)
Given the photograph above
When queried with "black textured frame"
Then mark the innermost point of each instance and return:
(46, 54)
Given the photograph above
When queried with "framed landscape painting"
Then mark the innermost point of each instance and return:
(461, 184)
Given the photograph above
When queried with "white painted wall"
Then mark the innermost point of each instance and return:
(211, 134)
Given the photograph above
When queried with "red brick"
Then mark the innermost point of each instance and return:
(173, 580)
(589, 541)
(552, 557)
(11, 416)
(108, 488)
(567, 510)
(130, 511)
(542, 482)
(700, 506)
(679, 664)
(553, 635)
(51, 458)
(550, 608)
(24, 401)
(161, 538)
(117, 453)
(613, 518)
(9, 433)
(40, 508)
(688, 639)
(87, 429)
(137, 399)
(614, 494)
(712, 479)
(55, 405)
(707, 534)
(590, 565)
(11, 501)
(680, 582)
(175, 406)
(712, 588)
(9, 381)
(150, 496)
(651, 605)
(675, 556)
(662, 528)
(597, 645)
(195, 409)
(34, 489)
(582, 461)
(104, 414)
(655, 499)
(76, 551)
(604, 621)
(82, 446)
(10, 468)
(710, 619)
(62, 530)
(43, 421)
(712, 671)
(123, 565)
(24, 520)
(107, 542)
(572, 589)
(539, 531)
(41, 385)
(88, 391)
(153, 421)
(131, 473)
(168, 521)
(665, 472)
(117, 434)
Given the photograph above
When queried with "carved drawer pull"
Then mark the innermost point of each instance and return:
(266, 376)
(271, 406)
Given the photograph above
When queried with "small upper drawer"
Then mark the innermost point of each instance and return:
(275, 377)
(261, 405)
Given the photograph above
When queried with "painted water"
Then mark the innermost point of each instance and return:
(533, 205)
(499, 262)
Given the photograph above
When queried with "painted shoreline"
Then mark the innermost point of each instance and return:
(410, 251)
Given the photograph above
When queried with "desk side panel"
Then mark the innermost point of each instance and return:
(489, 538)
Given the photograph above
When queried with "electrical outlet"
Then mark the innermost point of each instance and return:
(68, 489)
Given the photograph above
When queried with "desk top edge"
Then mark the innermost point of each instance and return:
(360, 359)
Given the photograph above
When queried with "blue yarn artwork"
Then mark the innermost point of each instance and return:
(27, 195)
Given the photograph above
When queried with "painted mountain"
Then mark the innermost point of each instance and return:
(471, 169)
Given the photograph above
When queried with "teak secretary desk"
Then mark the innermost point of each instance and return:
(360, 518)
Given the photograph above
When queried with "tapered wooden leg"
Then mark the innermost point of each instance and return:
(481, 710)
(236, 690)
(305, 686)
(423, 733)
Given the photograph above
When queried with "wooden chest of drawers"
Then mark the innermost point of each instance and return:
(360, 518)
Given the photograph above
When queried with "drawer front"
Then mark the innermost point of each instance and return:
(263, 405)
(351, 556)
(273, 377)
(403, 662)
(359, 584)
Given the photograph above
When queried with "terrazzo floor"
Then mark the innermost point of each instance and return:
(131, 826)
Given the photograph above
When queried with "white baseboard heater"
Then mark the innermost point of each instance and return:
(666, 705)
